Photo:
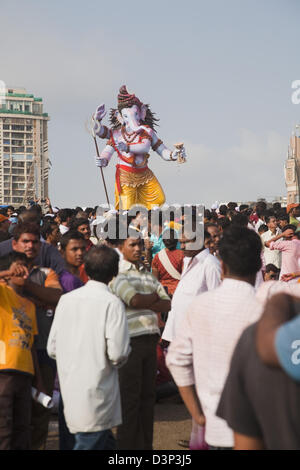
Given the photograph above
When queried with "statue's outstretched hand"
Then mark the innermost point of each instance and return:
(101, 162)
(100, 113)
(178, 155)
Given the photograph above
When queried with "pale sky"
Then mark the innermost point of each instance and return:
(217, 74)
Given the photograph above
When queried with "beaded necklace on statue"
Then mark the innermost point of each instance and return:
(129, 138)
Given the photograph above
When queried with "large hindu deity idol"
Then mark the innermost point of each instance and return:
(132, 136)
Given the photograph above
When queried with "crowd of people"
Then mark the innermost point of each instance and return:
(204, 305)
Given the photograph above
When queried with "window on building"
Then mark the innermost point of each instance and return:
(18, 164)
(17, 135)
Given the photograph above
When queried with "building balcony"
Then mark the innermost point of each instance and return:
(27, 113)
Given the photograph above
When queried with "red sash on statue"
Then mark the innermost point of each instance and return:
(129, 160)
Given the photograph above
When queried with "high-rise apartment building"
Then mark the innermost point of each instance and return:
(292, 168)
(24, 161)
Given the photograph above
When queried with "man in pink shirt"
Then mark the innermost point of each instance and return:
(200, 354)
(290, 248)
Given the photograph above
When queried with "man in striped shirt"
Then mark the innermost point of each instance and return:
(143, 295)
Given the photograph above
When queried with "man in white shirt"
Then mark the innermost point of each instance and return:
(199, 357)
(201, 272)
(271, 256)
(89, 339)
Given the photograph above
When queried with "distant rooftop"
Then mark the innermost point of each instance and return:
(20, 93)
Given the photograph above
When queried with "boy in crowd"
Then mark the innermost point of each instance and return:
(271, 273)
(18, 361)
(89, 339)
(83, 226)
(73, 248)
(43, 288)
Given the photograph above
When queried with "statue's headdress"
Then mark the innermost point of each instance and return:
(126, 100)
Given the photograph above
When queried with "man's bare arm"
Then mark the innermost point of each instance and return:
(191, 400)
(47, 295)
(242, 442)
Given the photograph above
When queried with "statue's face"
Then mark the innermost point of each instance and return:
(131, 117)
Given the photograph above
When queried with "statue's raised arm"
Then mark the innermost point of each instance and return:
(132, 136)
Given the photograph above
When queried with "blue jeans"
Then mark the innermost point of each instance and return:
(101, 440)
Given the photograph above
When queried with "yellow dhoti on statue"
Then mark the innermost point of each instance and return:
(137, 188)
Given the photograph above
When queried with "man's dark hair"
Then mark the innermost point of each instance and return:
(207, 214)
(232, 205)
(269, 217)
(26, 227)
(283, 216)
(240, 219)
(29, 216)
(101, 263)
(70, 235)
(21, 209)
(223, 209)
(271, 267)
(170, 239)
(262, 228)
(240, 250)
(224, 223)
(77, 222)
(289, 226)
(261, 205)
(64, 214)
(243, 207)
(276, 206)
(89, 210)
(7, 260)
(48, 227)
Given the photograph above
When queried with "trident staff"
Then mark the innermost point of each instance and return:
(98, 155)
